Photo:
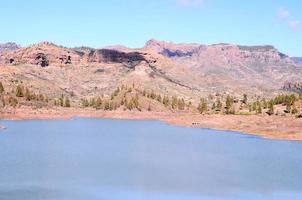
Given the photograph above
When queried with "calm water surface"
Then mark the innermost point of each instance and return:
(94, 159)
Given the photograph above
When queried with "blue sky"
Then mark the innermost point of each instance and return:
(99, 23)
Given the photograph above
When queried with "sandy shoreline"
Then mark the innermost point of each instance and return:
(271, 127)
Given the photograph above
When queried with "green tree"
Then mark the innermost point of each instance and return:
(98, 103)
(152, 95)
(270, 107)
(19, 91)
(106, 105)
(67, 102)
(174, 102)
(181, 104)
(229, 104)
(92, 102)
(166, 101)
(1, 88)
(61, 101)
(28, 95)
(259, 108)
(85, 103)
(264, 103)
(159, 98)
(13, 102)
(3, 101)
(203, 106)
(244, 99)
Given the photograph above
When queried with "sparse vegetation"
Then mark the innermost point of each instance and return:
(134, 98)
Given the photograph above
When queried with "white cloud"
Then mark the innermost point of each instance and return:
(283, 13)
(285, 17)
(294, 25)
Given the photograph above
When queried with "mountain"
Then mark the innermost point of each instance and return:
(186, 70)
(297, 60)
(231, 66)
(10, 46)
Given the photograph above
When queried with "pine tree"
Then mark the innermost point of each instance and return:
(159, 98)
(218, 105)
(153, 95)
(166, 101)
(181, 104)
(203, 106)
(106, 105)
(229, 104)
(244, 99)
(3, 101)
(13, 102)
(28, 96)
(19, 91)
(67, 102)
(61, 101)
(98, 103)
(213, 106)
(174, 102)
(270, 107)
(1, 88)
(259, 108)
(85, 103)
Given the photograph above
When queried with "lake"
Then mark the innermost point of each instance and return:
(101, 159)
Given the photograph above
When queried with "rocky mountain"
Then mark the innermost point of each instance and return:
(10, 46)
(188, 70)
(297, 60)
(231, 65)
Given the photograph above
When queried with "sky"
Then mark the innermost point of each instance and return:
(98, 23)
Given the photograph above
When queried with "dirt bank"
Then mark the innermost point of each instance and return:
(272, 127)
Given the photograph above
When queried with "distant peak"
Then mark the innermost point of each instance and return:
(9, 46)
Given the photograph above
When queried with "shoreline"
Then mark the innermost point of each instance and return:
(268, 127)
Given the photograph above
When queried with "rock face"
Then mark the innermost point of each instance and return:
(181, 69)
(130, 59)
(10, 46)
(219, 54)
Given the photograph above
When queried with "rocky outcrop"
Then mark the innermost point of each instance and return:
(130, 59)
(42, 54)
(45, 54)
(293, 86)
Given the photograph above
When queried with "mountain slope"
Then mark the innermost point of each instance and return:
(185, 70)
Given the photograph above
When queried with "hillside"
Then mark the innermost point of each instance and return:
(186, 71)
